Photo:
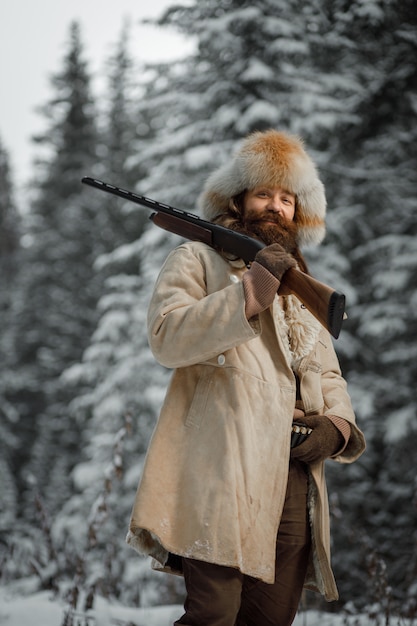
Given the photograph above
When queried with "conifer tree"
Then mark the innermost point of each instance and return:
(9, 218)
(9, 267)
(375, 225)
(54, 303)
(104, 396)
(120, 224)
(252, 69)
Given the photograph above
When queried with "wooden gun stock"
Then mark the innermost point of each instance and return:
(326, 304)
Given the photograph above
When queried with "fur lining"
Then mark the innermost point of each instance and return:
(298, 328)
(314, 579)
(147, 544)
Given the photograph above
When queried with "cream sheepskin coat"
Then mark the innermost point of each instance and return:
(215, 475)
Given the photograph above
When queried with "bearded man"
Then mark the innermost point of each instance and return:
(224, 500)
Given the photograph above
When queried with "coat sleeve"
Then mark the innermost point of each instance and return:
(337, 400)
(188, 324)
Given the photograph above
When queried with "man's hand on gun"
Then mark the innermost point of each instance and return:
(324, 441)
(262, 281)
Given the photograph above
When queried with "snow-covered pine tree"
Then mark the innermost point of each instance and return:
(9, 219)
(120, 223)
(252, 69)
(115, 380)
(9, 267)
(374, 221)
(55, 297)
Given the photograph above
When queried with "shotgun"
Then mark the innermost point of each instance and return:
(326, 304)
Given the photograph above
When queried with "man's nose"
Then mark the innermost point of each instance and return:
(275, 204)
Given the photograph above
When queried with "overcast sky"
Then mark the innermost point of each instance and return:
(33, 38)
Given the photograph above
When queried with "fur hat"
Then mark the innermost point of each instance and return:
(274, 159)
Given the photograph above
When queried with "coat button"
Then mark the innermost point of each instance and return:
(221, 359)
(234, 278)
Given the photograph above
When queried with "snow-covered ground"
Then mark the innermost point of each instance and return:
(41, 609)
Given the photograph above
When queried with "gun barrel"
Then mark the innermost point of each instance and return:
(326, 304)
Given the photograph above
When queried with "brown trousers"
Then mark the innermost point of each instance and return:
(223, 596)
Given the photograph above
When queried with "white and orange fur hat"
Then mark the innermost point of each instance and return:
(274, 159)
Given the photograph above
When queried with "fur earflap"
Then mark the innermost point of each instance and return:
(275, 159)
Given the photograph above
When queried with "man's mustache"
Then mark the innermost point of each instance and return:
(272, 217)
(273, 228)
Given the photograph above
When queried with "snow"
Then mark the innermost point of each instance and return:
(371, 10)
(86, 474)
(36, 609)
(257, 70)
(43, 608)
(259, 110)
(399, 423)
(198, 157)
(119, 255)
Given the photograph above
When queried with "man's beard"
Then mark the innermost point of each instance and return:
(282, 231)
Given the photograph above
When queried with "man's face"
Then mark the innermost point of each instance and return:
(266, 202)
(268, 213)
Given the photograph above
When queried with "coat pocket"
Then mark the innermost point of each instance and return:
(310, 387)
(199, 402)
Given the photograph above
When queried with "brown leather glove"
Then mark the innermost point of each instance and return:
(275, 260)
(322, 443)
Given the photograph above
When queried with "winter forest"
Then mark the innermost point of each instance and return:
(80, 390)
